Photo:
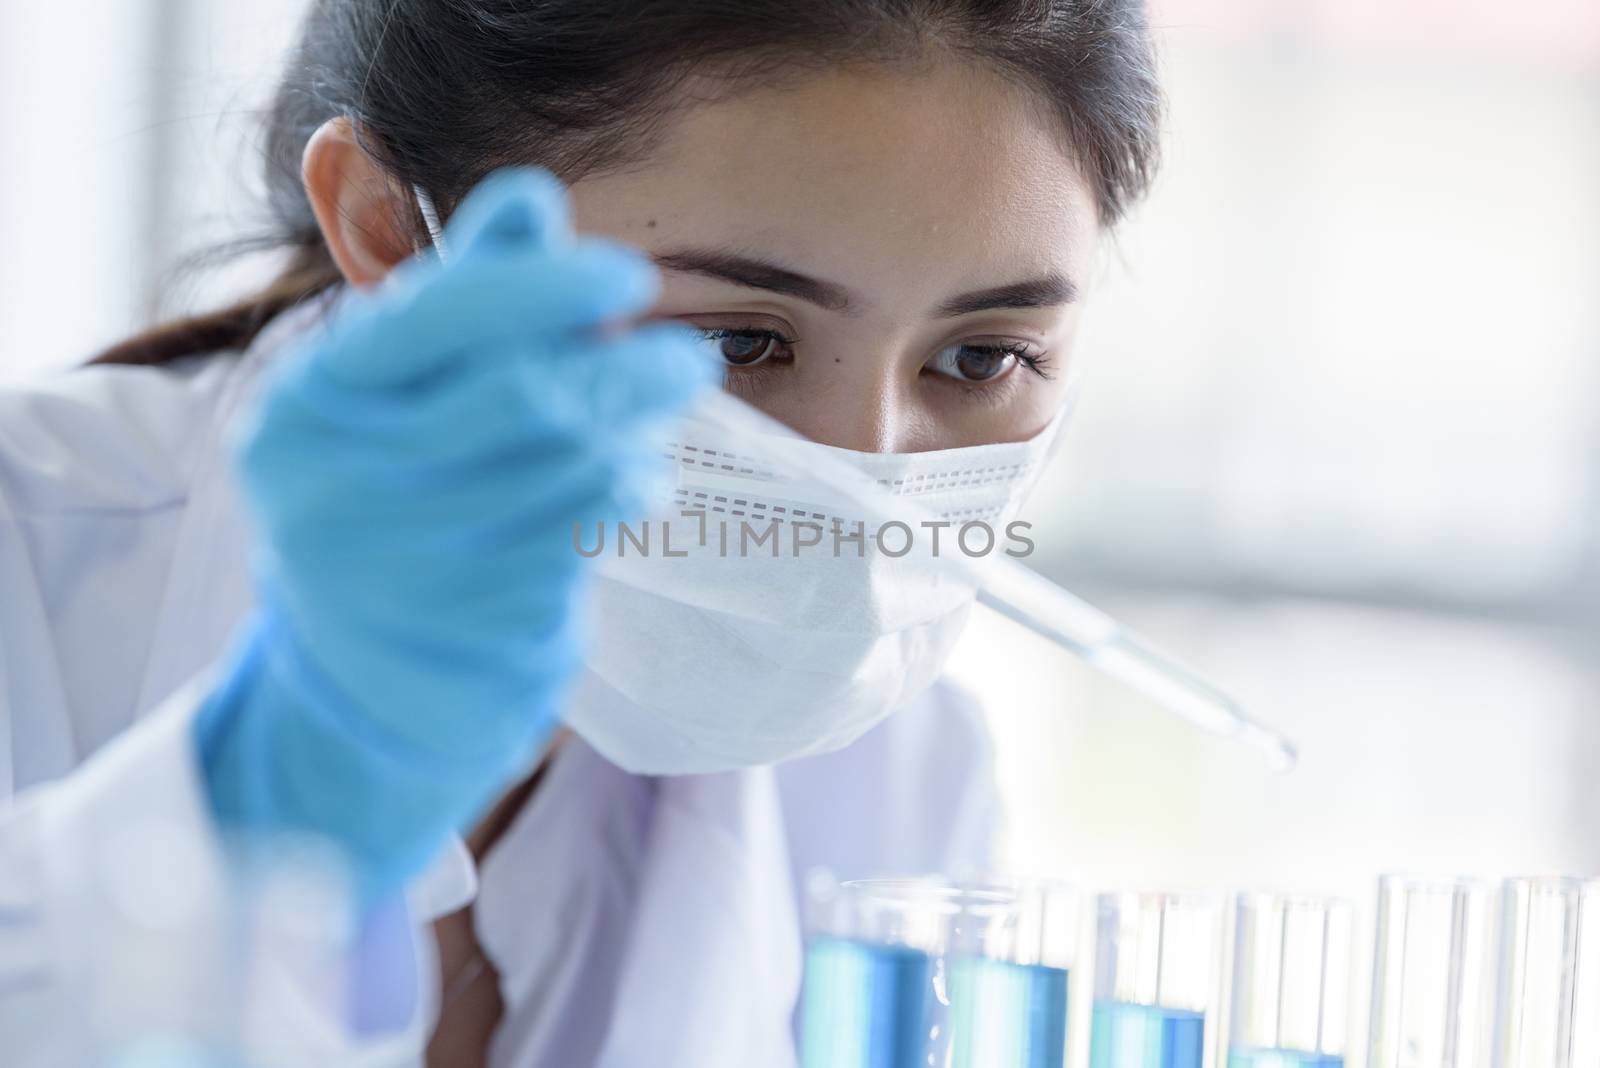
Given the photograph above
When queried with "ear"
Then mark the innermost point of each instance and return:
(364, 216)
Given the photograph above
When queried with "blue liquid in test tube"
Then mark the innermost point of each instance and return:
(913, 973)
(1005, 1015)
(865, 1005)
(1125, 1035)
(1282, 1058)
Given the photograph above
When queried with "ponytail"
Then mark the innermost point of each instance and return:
(232, 328)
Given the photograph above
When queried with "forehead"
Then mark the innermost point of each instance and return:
(855, 171)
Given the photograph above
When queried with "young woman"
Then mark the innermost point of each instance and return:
(366, 619)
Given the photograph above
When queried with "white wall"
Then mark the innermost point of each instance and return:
(1351, 346)
(126, 129)
(78, 106)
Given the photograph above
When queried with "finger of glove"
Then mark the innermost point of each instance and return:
(483, 632)
(513, 397)
(441, 685)
(590, 392)
(508, 418)
(385, 530)
(497, 621)
(432, 317)
(412, 538)
(517, 207)
(479, 408)
(369, 510)
(652, 371)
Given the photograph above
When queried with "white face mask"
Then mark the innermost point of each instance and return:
(728, 656)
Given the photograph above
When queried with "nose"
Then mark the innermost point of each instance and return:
(861, 416)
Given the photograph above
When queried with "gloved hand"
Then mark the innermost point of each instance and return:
(414, 476)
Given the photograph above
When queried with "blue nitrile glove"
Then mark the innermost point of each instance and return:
(414, 476)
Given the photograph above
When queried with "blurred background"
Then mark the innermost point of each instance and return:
(1339, 443)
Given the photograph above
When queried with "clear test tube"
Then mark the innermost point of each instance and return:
(1155, 972)
(1548, 1012)
(868, 995)
(1432, 969)
(1008, 987)
(1291, 982)
(1586, 996)
(912, 972)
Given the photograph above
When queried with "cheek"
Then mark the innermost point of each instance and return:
(955, 419)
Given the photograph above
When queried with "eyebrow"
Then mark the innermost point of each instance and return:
(758, 274)
(754, 273)
(1045, 292)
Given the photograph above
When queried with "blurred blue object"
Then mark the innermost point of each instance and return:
(414, 478)
(1005, 1015)
(1126, 1035)
(865, 1005)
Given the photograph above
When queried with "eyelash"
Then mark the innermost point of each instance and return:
(726, 333)
(1037, 362)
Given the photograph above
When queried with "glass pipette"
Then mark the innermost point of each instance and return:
(1021, 594)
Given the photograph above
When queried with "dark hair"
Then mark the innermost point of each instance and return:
(444, 91)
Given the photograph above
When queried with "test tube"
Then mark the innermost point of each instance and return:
(1008, 987)
(903, 972)
(1291, 982)
(1431, 974)
(1155, 970)
(1586, 997)
(868, 976)
(1548, 1014)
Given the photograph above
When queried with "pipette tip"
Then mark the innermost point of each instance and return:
(1279, 753)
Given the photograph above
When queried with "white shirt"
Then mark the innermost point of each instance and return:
(633, 920)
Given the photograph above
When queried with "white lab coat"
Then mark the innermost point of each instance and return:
(632, 920)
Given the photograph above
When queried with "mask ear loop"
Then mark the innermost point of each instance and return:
(430, 218)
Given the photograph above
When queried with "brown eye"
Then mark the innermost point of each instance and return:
(742, 348)
(973, 363)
